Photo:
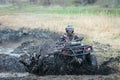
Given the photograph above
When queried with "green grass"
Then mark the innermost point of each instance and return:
(36, 9)
(116, 36)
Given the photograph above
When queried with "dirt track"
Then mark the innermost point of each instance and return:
(109, 67)
(65, 77)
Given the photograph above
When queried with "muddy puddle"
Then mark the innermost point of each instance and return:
(8, 51)
(12, 74)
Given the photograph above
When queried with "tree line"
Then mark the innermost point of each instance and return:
(57, 2)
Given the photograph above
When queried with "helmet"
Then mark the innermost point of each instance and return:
(69, 28)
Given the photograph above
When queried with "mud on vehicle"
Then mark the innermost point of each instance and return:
(76, 59)
(72, 58)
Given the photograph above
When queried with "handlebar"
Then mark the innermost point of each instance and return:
(69, 43)
(80, 39)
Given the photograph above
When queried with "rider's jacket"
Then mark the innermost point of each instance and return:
(66, 38)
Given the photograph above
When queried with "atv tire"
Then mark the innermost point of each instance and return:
(92, 62)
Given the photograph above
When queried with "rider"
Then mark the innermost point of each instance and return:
(70, 35)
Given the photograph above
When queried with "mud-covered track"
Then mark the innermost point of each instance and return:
(41, 42)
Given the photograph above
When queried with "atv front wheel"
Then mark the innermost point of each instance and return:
(93, 60)
(91, 65)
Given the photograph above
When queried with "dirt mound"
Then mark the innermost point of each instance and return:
(33, 41)
(112, 65)
(10, 35)
(11, 64)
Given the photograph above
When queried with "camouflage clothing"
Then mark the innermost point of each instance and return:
(66, 37)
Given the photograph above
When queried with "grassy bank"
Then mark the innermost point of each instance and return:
(37, 9)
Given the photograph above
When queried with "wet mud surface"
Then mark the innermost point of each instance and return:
(21, 45)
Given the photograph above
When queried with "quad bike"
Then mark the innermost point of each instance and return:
(71, 58)
(76, 58)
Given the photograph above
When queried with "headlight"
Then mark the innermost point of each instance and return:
(65, 51)
(88, 49)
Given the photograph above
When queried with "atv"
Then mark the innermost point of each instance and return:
(76, 58)
(70, 58)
